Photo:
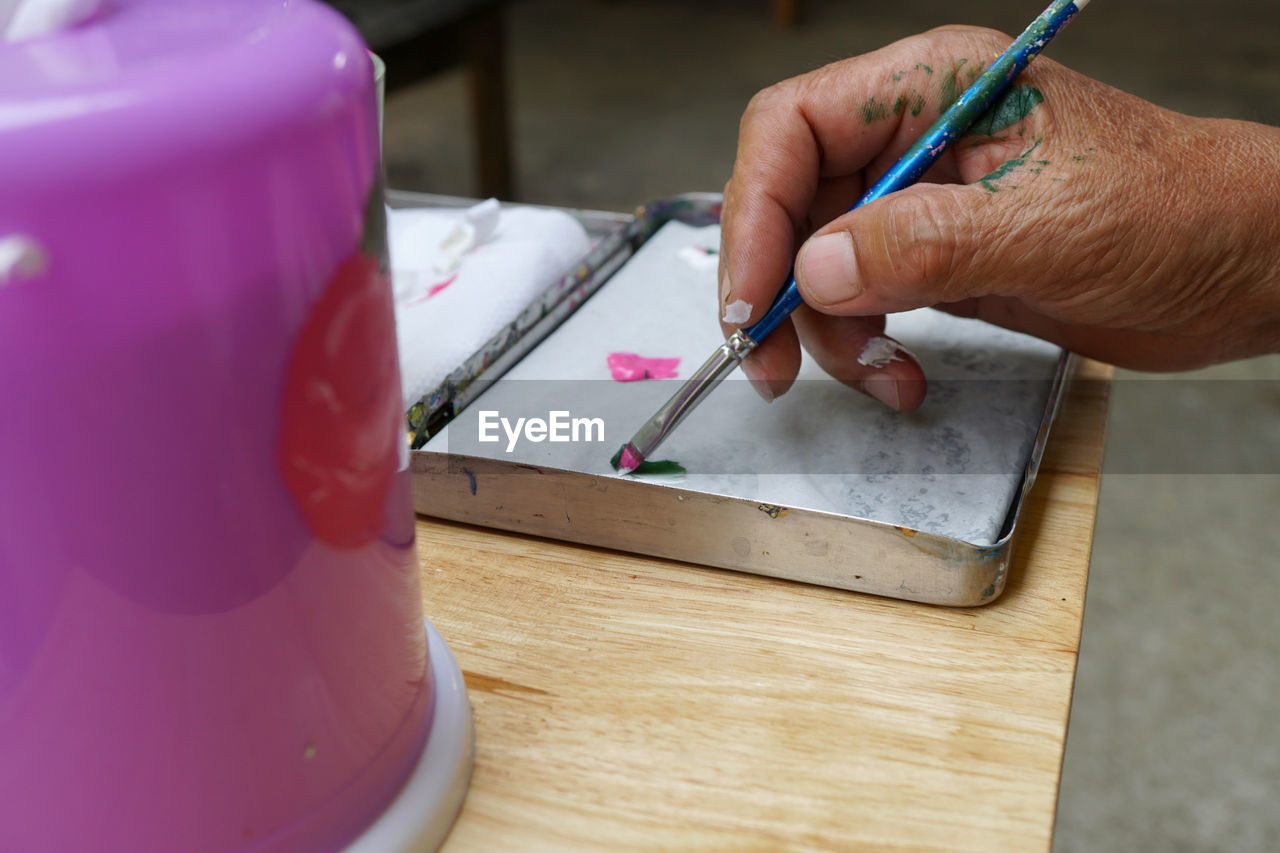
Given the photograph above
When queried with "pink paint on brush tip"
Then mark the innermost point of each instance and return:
(629, 367)
(630, 460)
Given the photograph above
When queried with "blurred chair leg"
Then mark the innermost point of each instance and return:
(486, 69)
(786, 12)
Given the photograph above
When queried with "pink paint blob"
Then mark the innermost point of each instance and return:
(629, 367)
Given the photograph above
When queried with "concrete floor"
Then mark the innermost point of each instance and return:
(1173, 743)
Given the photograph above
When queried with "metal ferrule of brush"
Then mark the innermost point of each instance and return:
(721, 363)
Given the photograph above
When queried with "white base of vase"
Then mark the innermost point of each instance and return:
(421, 815)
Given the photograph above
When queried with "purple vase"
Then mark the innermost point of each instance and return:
(211, 632)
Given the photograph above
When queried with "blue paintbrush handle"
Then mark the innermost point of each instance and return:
(926, 150)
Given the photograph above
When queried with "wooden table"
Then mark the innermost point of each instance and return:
(625, 702)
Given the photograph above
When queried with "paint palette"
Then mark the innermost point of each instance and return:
(823, 485)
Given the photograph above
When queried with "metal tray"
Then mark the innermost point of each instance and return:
(665, 520)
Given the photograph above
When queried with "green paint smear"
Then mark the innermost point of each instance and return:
(910, 101)
(950, 87)
(657, 468)
(660, 468)
(874, 110)
(898, 75)
(988, 181)
(955, 81)
(1014, 106)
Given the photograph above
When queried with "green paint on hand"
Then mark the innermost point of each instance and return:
(950, 87)
(1014, 106)
(874, 110)
(656, 468)
(988, 180)
(919, 66)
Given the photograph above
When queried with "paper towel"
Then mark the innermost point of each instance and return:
(460, 276)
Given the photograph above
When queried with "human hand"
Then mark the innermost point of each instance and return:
(1072, 211)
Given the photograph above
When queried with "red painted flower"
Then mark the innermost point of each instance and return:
(341, 414)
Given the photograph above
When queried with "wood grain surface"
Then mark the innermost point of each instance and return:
(629, 703)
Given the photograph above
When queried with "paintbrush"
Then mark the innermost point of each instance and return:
(957, 119)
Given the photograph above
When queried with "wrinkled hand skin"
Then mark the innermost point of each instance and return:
(1099, 221)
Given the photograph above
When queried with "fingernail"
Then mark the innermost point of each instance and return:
(756, 377)
(725, 284)
(827, 271)
(884, 389)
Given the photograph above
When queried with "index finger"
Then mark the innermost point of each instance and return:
(804, 144)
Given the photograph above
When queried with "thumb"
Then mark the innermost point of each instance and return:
(924, 245)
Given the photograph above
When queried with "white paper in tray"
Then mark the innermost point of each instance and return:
(951, 468)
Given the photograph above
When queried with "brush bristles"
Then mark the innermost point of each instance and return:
(627, 459)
